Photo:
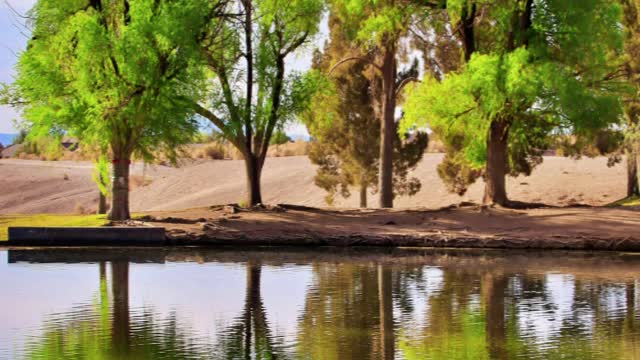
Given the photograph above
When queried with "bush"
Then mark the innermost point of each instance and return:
(48, 148)
(215, 151)
(280, 138)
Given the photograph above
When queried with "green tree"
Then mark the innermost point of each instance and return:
(280, 138)
(534, 69)
(253, 95)
(379, 26)
(116, 74)
(632, 101)
(347, 131)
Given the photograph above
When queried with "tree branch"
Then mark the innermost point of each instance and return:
(236, 140)
(404, 83)
(353, 58)
(295, 44)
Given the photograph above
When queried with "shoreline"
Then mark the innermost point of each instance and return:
(466, 226)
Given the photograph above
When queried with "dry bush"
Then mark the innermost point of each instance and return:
(215, 151)
(219, 151)
(212, 150)
(137, 181)
(296, 148)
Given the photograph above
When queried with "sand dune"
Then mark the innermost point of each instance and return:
(42, 187)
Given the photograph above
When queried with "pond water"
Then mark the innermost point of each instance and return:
(326, 304)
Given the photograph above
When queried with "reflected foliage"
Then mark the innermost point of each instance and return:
(107, 330)
(447, 309)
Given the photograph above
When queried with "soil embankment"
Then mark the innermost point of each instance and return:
(576, 228)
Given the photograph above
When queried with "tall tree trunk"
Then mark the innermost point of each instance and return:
(387, 125)
(385, 298)
(495, 191)
(120, 328)
(120, 189)
(633, 188)
(363, 196)
(467, 30)
(254, 172)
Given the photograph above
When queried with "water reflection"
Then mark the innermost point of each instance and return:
(353, 305)
(249, 336)
(107, 329)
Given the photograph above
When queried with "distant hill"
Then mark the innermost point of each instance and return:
(7, 139)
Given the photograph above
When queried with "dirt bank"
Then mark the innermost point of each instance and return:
(585, 228)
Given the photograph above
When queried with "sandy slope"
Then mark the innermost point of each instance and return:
(40, 187)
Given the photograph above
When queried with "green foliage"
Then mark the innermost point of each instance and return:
(551, 77)
(282, 28)
(7, 221)
(630, 63)
(45, 147)
(343, 121)
(375, 23)
(202, 137)
(101, 176)
(113, 76)
(252, 95)
(280, 138)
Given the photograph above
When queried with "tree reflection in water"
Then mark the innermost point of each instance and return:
(249, 336)
(107, 330)
(372, 310)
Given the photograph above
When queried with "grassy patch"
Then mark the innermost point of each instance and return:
(48, 220)
(630, 201)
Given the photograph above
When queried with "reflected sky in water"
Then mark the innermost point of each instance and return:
(328, 304)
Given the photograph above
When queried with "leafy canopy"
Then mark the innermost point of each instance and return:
(554, 76)
(113, 73)
(279, 30)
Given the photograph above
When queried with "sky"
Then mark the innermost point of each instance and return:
(13, 40)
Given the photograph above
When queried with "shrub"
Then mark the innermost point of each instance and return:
(215, 151)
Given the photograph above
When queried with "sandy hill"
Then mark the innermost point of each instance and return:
(66, 187)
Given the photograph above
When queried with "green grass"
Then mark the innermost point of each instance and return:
(630, 201)
(7, 221)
